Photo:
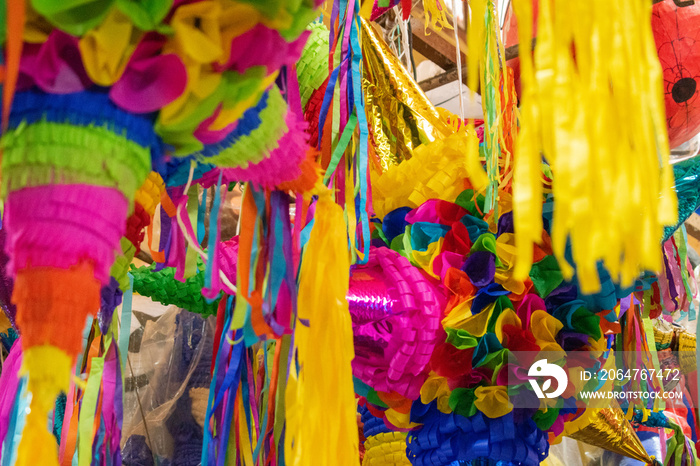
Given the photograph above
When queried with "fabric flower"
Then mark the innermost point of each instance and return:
(107, 48)
(147, 15)
(54, 66)
(436, 388)
(262, 46)
(492, 401)
(75, 17)
(151, 80)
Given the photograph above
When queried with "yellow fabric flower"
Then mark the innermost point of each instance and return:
(106, 49)
(198, 31)
(461, 318)
(507, 317)
(436, 387)
(493, 401)
(544, 328)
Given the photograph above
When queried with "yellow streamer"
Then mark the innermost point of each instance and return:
(597, 117)
(323, 387)
(48, 369)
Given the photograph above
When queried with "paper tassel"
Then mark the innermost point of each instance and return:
(436, 15)
(399, 115)
(322, 389)
(607, 428)
(48, 368)
(597, 117)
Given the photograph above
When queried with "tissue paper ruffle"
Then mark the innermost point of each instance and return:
(445, 438)
(282, 164)
(59, 225)
(51, 153)
(436, 171)
(251, 144)
(53, 304)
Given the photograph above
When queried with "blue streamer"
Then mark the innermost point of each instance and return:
(212, 245)
(364, 133)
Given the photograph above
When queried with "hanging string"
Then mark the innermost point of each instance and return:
(458, 51)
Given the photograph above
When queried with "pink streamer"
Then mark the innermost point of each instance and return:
(9, 381)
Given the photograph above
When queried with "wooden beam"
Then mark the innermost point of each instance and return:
(451, 75)
(434, 47)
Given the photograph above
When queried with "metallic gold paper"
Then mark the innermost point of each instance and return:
(607, 428)
(399, 115)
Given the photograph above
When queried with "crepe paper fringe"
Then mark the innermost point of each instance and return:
(44, 291)
(148, 195)
(59, 153)
(177, 171)
(312, 67)
(234, 95)
(280, 165)
(254, 146)
(162, 287)
(566, 116)
(122, 263)
(136, 225)
(309, 176)
(87, 108)
(312, 110)
(249, 122)
(59, 225)
(436, 171)
(686, 174)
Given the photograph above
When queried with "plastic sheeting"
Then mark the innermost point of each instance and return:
(167, 385)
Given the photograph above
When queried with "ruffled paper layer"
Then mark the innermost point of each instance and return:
(88, 108)
(281, 165)
(436, 171)
(445, 438)
(161, 286)
(255, 144)
(387, 449)
(61, 225)
(53, 305)
(393, 344)
(58, 153)
(122, 263)
(312, 67)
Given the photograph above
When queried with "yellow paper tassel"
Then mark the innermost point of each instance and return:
(320, 399)
(49, 374)
(592, 105)
(435, 15)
